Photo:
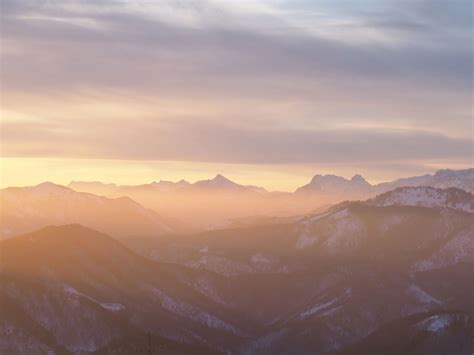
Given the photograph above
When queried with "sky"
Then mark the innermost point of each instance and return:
(265, 92)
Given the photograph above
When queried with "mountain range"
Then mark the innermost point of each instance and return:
(218, 183)
(220, 202)
(168, 208)
(337, 188)
(70, 289)
(463, 179)
(390, 274)
(201, 205)
(23, 209)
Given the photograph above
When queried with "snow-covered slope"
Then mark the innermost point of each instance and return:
(462, 179)
(438, 332)
(427, 197)
(86, 292)
(315, 285)
(336, 188)
(458, 249)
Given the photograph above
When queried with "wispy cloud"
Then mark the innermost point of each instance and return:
(267, 81)
(211, 142)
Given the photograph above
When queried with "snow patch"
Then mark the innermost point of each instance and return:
(220, 265)
(427, 197)
(306, 239)
(264, 342)
(345, 230)
(206, 288)
(458, 249)
(114, 307)
(317, 308)
(340, 231)
(319, 216)
(421, 296)
(260, 259)
(326, 306)
(389, 222)
(188, 311)
(435, 324)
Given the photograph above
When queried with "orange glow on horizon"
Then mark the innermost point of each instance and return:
(32, 171)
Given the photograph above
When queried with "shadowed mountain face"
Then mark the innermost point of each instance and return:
(406, 217)
(437, 332)
(219, 202)
(350, 279)
(24, 209)
(71, 288)
(453, 198)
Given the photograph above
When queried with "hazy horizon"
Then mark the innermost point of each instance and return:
(268, 93)
(260, 178)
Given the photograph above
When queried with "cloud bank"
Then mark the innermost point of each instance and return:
(237, 82)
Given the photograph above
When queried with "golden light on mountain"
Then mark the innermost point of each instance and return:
(236, 177)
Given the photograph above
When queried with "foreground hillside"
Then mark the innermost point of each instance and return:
(356, 279)
(437, 332)
(73, 289)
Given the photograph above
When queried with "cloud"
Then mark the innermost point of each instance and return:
(206, 142)
(283, 81)
(106, 46)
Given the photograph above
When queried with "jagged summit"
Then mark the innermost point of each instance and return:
(336, 187)
(445, 178)
(219, 181)
(220, 176)
(359, 179)
(328, 177)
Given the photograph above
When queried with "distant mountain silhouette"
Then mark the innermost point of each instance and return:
(24, 209)
(220, 202)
